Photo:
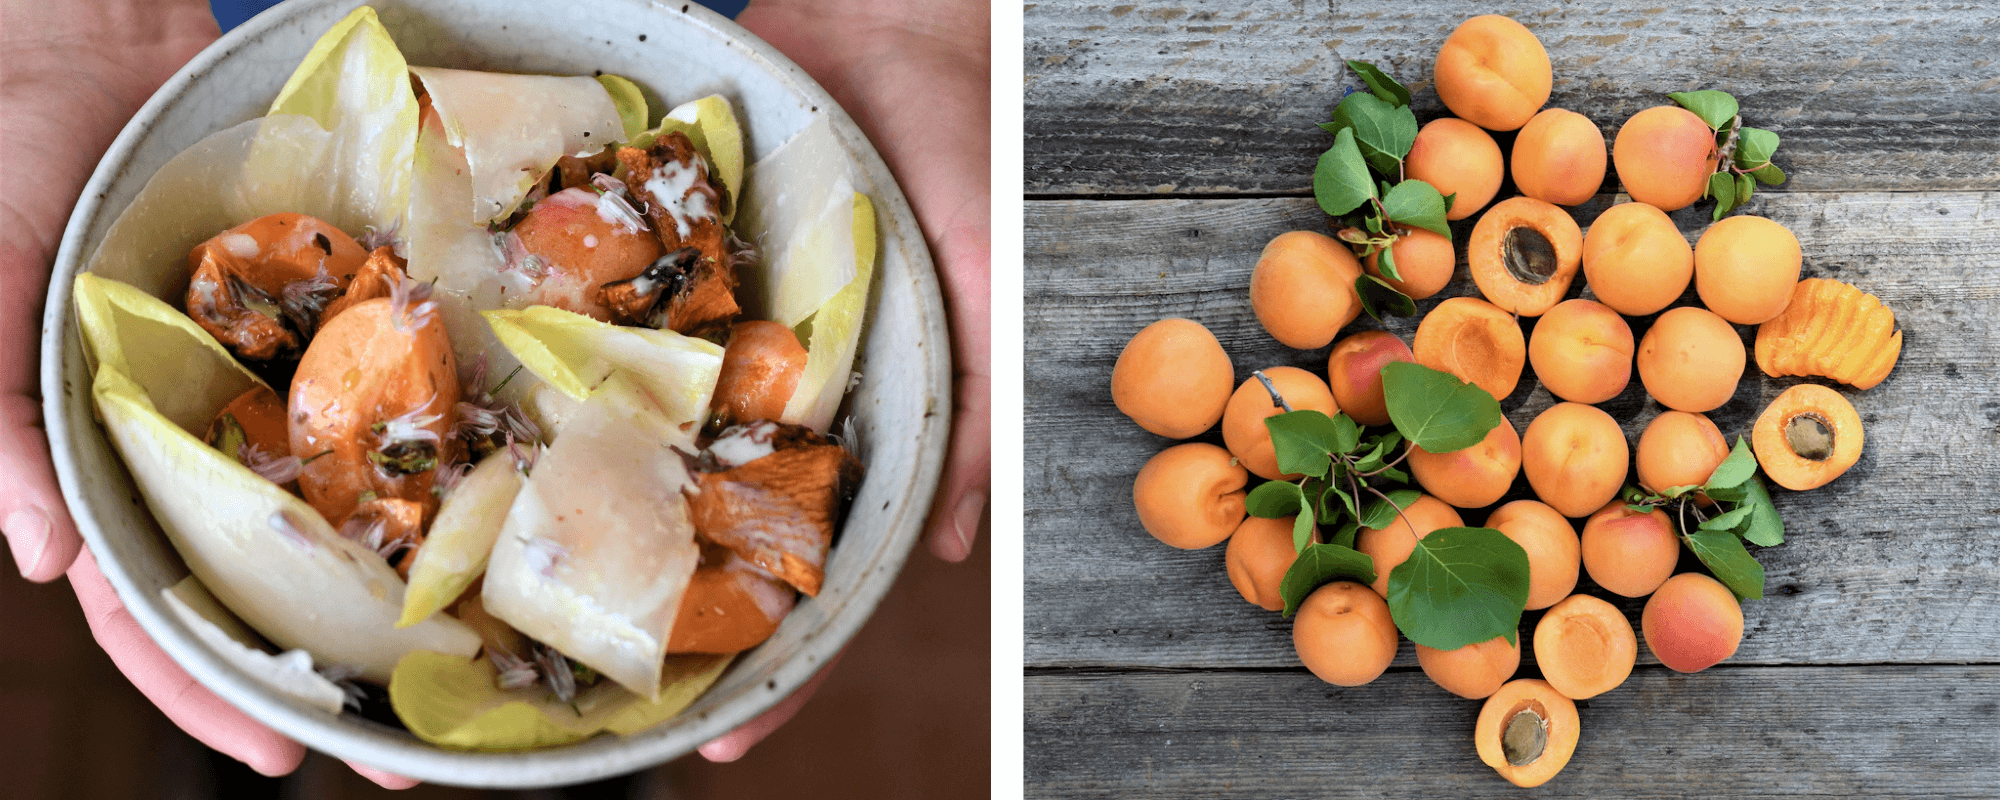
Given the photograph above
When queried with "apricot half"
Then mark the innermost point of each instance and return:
(1302, 289)
(1457, 158)
(1692, 623)
(1190, 495)
(1475, 670)
(1259, 553)
(1690, 360)
(1173, 379)
(1636, 260)
(1474, 477)
(1575, 457)
(1527, 732)
(1354, 374)
(1391, 546)
(1679, 448)
(1523, 254)
(1554, 553)
(1475, 341)
(1559, 157)
(1664, 156)
(1493, 72)
(1582, 351)
(1344, 634)
(1424, 263)
(1745, 268)
(1627, 552)
(1243, 420)
(1585, 647)
(1807, 437)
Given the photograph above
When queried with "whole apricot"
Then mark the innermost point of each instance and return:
(1636, 260)
(1527, 732)
(1627, 552)
(1692, 623)
(1493, 72)
(1344, 634)
(1424, 263)
(1457, 158)
(1585, 647)
(1302, 289)
(1173, 379)
(1554, 554)
(1392, 545)
(1664, 156)
(1354, 374)
(1474, 477)
(1690, 360)
(1679, 448)
(1745, 268)
(1559, 157)
(1473, 671)
(1582, 351)
(1474, 341)
(1575, 457)
(1523, 254)
(1807, 437)
(1259, 553)
(1190, 495)
(1243, 420)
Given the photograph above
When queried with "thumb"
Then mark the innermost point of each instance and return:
(32, 515)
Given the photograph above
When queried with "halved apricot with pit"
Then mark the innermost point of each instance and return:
(1523, 254)
(1585, 647)
(1527, 731)
(1475, 341)
(1807, 437)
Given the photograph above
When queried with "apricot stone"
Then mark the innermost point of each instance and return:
(1559, 157)
(1259, 553)
(1527, 732)
(1691, 359)
(1474, 477)
(1582, 351)
(1554, 555)
(1585, 647)
(1302, 289)
(1173, 379)
(1807, 437)
(1575, 457)
(1636, 260)
(1745, 268)
(1523, 254)
(1354, 373)
(1475, 670)
(1391, 546)
(1457, 158)
(1475, 341)
(1493, 72)
(1424, 263)
(1664, 156)
(1679, 448)
(1190, 495)
(1629, 553)
(1692, 623)
(1344, 634)
(1243, 421)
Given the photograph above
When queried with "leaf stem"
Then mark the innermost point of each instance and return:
(1389, 465)
(1399, 512)
(1276, 399)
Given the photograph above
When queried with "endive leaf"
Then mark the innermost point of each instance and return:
(710, 125)
(836, 333)
(630, 102)
(574, 353)
(461, 538)
(456, 702)
(355, 84)
(289, 673)
(513, 128)
(183, 371)
(796, 210)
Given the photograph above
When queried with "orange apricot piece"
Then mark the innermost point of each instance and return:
(1391, 546)
(1745, 268)
(1807, 437)
(1243, 428)
(1585, 647)
(1527, 732)
(1456, 158)
(1664, 156)
(1493, 72)
(1692, 623)
(1475, 341)
(1559, 157)
(1575, 457)
(1190, 495)
(1473, 671)
(1173, 379)
(1679, 448)
(1627, 552)
(760, 371)
(1833, 330)
(1354, 373)
(1474, 477)
(1691, 360)
(1523, 254)
(1636, 260)
(1344, 634)
(1555, 556)
(1259, 553)
(1302, 289)
(1424, 263)
(1582, 351)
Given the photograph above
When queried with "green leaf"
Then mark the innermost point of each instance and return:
(1766, 527)
(1379, 298)
(1332, 127)
(1677, 491)
(1724, 555)
(1304, 439)
(1274, 499)
(1414, 202)
(1380, 83)
(1303, 528)
(1347, 503)
(1380, 513)
(1344, 535)
(1318, 565)
(1638, 509)
(1378, 454)
(1769, 174)
(1436, 410)
(1734, 470)
(1450, 200)
(1460, 586)
(1396, 475)
(1341, 182)
(1714, 107)
(1744, 187)
(1754, 147)
(1723, 188)
(1728, 521)
(1385, 261)
(1383, 130)
(1373, 221)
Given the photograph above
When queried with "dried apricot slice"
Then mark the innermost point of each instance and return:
(1831, 330)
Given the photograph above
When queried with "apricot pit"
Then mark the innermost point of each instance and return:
(1527, 732)
(1523, 254)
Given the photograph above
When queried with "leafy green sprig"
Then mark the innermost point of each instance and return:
(1743, 513)
(1745, 152)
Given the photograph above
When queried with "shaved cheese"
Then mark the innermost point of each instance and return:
(513, 128)
(797, 211)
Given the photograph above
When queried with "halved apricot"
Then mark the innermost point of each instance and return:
(1475, 670)
(1457, 158)
(1559, 157)
(1582, 351)
(1344, 634)
(1691, 359)
(1391, 546)
(1527, 732)
(1636, 260)
(1692, 623)
(1474, 477)
(1575, 457)
(1807, 437)
(1354, 374)
(1173, 379)
(1243, 427)
(1475, 341)
(1493, 72)
(1628, 552)
(1585, 647)
(1679, 448)
(1190, 495)
(1259, 553)
(1554, 554)
(1745, 268)
(1302, 289)
(1523, 254)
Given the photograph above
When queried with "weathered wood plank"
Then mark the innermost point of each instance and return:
(1829, 732)
(1896, 561)
(1207, 96)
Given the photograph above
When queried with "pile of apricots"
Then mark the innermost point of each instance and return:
(1174, 379)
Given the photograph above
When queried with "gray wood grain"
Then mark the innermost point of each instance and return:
(1824, 732)
(1208, 96)
(1897, 561)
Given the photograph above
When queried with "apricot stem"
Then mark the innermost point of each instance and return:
(1729, 144)
(1276, 399)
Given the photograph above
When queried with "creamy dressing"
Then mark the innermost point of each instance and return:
(240, 245)
(670, 185)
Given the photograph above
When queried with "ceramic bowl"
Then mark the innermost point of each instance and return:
(678, 52)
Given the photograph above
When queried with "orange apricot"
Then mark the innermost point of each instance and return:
(1474, 477)
(1392, 545)
(1173, 379)
(1344, 634)
(1691, 360)
(1354, 373)
(1424, 263)
(1745, 268)
(1636, 260)
(1559, 157)
(1692, 623)
(1457, 158)
(1475, 670)
(1243, 419)
(1527, 732)
(1575, 457)
(1259, 553)
(1664, 156)
(1190, 495)
(1833, 330)
(1585, 647)
(1475, 341)
(1582, 351)
(760, 371)
(1523, 254)
(1679, 448)
(1493, 72)
(1627, 552)
(1807, 437)
(1554, 554)
(1302, 289)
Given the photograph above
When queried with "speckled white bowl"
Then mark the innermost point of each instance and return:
(678, 52)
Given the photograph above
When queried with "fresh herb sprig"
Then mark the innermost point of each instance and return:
(1743, 513)
(1360, 182)
(1745, 152)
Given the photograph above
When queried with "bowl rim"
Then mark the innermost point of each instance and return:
(385, 748)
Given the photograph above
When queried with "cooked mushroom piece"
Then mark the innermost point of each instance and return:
(772, 492)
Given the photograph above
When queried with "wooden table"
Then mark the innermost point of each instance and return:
(1167, 142)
